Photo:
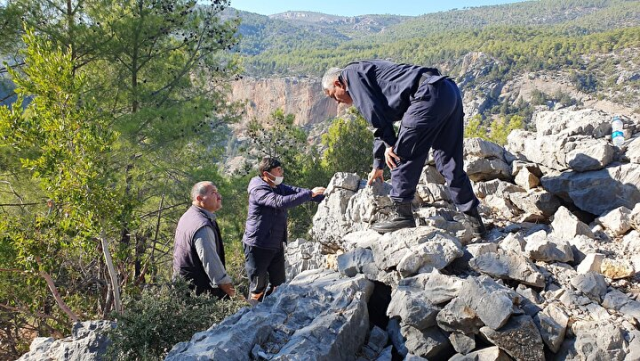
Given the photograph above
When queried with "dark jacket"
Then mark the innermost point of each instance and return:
(267, 215)
(186, 262)
(382, 91)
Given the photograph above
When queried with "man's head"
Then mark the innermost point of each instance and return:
(271, 171)
(205, 195)
(335, 86)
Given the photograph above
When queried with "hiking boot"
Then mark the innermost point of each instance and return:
(402, 217)
(479, 230)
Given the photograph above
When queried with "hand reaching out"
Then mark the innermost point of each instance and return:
(317, 191)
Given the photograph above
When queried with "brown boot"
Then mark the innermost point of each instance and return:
(402, 217)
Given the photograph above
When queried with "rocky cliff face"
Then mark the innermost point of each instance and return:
(302, 97)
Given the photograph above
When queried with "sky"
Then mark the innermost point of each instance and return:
(360, 7)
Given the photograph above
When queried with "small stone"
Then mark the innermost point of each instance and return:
(617, 269)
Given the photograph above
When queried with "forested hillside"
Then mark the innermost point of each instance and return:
(531, 35)
(110, 111)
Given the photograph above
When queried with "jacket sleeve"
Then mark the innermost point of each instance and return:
(293, 197)
(288, 190)
(204, 241)
(367, 95)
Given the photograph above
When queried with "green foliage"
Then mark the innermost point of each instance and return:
(124, 110)
(348, 144)
(525, 36)
(279, 137)
(60, 140)
(497, 132)
(501, 128)
(474, 128)
(160, 317)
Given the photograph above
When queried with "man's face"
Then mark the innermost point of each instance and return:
(339, 93)
(212, 200)
(277, 172)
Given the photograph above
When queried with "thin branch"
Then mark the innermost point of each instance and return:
(56, 296)
(5, 69)
(155, 238)
(112, 271)
(8, 96)
(25, 310)
(18, 204)
(12, 270)
(163, 209)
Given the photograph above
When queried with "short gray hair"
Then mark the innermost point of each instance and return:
(200, 189)
(329, 77)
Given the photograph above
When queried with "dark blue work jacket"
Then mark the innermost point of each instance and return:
(382, 91)
(266, 225)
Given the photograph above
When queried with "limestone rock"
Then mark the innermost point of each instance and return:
(302, 255)
(435, 254)
(416, 247)
(617, 269)
(357, 261)
(437, 288)
(329, 323)
(616, 300)
(462, 343)
(589, 154)
(412, 307)
(457, 316)
(430, 343)
(592, 262)
(597, 192)
(486, 354)
(508, 266)
(519, 338)
(598, 341)
(526, 179)
(540, 247)
(491, 302)
(591, 284)
(86, 343)
(633, 151)
(552, 323)
(566, 226)
(537, 203)
(617, 221)
(360, 239)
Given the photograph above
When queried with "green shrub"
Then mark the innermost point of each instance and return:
(160, 317)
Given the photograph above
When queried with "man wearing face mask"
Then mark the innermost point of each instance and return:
(266, 228)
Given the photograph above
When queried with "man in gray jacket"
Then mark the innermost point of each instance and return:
(198, 255)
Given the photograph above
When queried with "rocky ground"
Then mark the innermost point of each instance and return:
(554, 279)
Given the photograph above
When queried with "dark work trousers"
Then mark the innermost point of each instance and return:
(434, 119)
(264, 264)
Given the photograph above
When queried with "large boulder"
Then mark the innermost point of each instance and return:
(318, 315)
(597, 192)
(86, 343)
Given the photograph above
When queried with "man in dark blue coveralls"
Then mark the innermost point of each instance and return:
(430, 107)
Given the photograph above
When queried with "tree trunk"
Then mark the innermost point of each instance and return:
(112, 272)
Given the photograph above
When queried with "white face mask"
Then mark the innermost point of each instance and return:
(278, 180)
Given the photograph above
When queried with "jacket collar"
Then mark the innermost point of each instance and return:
(210, 215)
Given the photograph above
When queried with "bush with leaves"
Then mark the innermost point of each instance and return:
(348, 145)
(160, 317)
(498, 131)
